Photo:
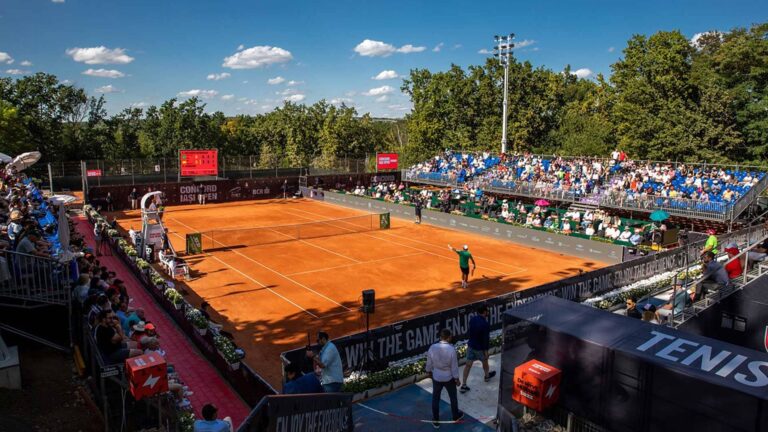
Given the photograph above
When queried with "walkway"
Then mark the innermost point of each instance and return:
(194, 369)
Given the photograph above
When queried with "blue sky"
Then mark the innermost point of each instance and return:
(142, 52)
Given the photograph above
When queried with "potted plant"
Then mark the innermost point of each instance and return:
(228, 351)
(158, 281)
(198, 321)
(142, 264)
(186, 421)
(174, 297)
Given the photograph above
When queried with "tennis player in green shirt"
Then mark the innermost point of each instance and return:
(464, 257)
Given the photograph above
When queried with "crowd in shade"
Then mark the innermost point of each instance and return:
(616, 175)
(34, 227)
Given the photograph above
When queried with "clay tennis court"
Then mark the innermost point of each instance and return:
(270, 295)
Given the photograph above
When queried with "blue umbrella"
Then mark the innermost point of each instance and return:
(659, 215)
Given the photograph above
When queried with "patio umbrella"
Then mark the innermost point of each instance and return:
(61, 199)
(542, 203)
(659, 215)
(25, 160)
(4, 158)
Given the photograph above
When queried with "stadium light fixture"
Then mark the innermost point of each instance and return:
(503, 51)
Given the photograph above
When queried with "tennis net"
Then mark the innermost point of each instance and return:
(242, 237)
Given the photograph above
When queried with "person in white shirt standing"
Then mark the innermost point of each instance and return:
(443, 368)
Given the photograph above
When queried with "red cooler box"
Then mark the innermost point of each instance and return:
(147, 374)
(536, 385)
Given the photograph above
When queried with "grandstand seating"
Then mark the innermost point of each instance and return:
(684, 189)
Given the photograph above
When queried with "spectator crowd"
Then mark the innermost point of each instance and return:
(618, 177)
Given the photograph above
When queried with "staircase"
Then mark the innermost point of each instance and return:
(717, 296)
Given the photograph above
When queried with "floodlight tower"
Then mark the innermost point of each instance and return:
(503, 51)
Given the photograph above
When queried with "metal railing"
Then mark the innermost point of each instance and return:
(710, 210)
(749, 197)
(34, 278)
(754, 237)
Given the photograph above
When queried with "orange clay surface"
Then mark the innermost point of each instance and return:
(269, 296)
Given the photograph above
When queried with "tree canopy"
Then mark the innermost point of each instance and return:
(667, 98)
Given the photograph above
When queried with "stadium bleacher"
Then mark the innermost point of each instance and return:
(618, 181)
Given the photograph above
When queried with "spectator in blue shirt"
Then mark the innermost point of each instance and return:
(210, 423)
(299, 383)
(329, 361)
(478, 345)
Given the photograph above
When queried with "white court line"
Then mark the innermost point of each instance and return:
(255, 281)
(403, 244)
(311, 244)
(269, 268)
(431, 244)
(351, 265)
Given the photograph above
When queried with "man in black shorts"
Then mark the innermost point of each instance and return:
(417, 208)
(464, 257)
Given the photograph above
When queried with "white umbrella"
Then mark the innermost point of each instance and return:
(25, 160)
(4, 158)
(61, 200)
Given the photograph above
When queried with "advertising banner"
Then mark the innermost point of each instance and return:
(199, 163)
(194, 244)
(386, 161)
(93, 173)
(308, 412)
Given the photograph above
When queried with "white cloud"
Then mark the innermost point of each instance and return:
(256, 57)
(438, 47)
(350, 94)
(108, 89)
(205, 94)
(295, 98)
(99, 55)
(339, 101)
(66, 82)
(276, 80)
(287, 92)
(5, 58)
(398, 107)
(611, 49)
(26, 63)
(407, 49)
(457, 46)
(104, 73)
(16, 72)
(216, 77)
(582, 73)
(485, 51)
(57, 1)
(372, 48)
(266, 107)
(379, 91)
(245, 82)
(384, 98)
(524, 43)
(139, 105)
(385, 75)
(227, 97)
(292, 83)
(240, 47)
(242, 99)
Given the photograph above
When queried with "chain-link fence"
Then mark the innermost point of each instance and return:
(75, 175)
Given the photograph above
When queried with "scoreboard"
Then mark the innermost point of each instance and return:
(195, 163)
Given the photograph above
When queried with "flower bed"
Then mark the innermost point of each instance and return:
(403, 372)
(246, 382)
